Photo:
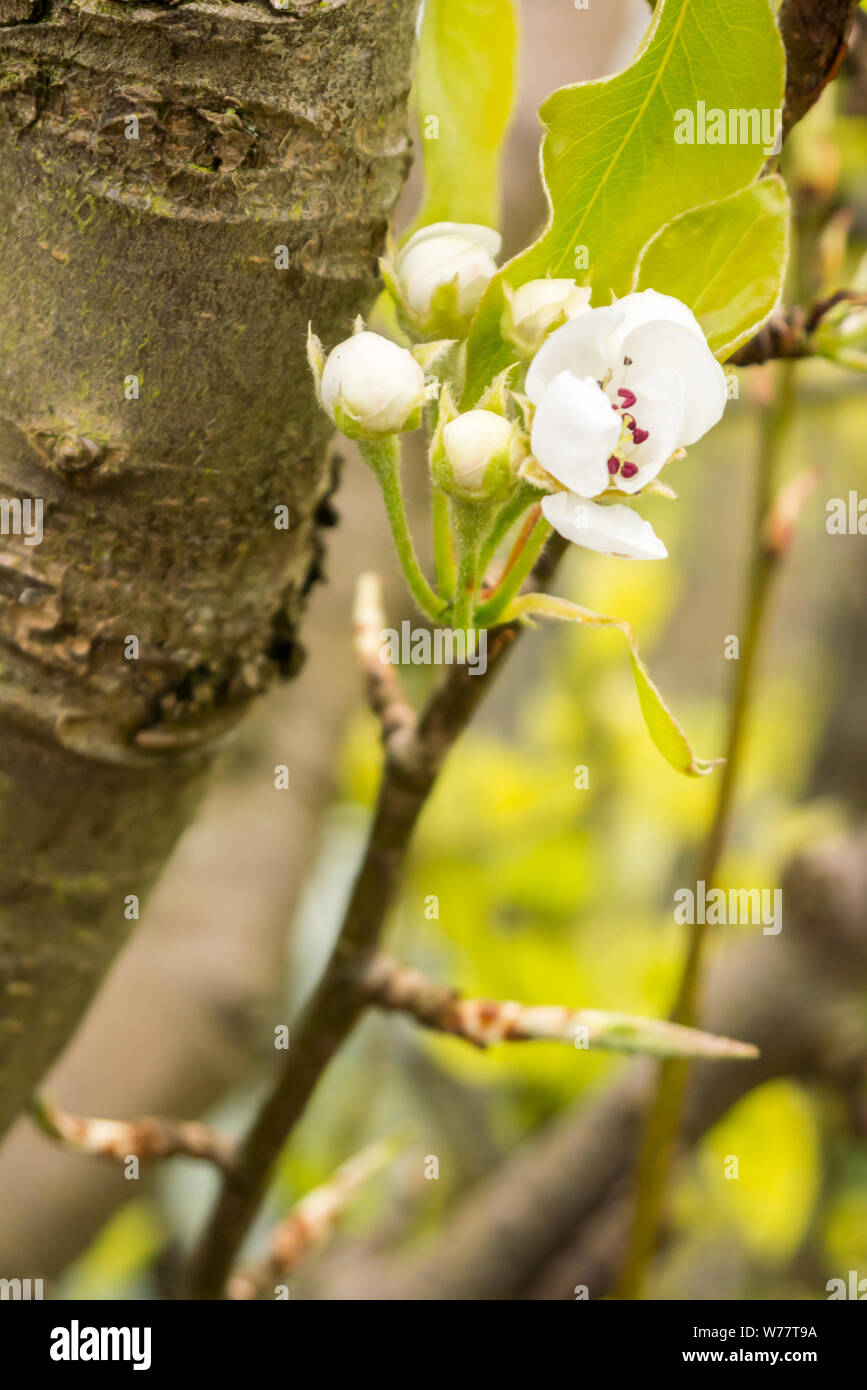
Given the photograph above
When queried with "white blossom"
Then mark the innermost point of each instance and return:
(536, 306)
(457, 254)
(472, 441)
(370, 387)
(618, 390)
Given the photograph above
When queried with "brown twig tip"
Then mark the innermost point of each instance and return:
(402, 989)
(383, 688)
(143, 1138)
(784, 514)
(309, 1223)
(788, 333)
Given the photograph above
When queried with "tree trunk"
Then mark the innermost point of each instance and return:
(154, 395)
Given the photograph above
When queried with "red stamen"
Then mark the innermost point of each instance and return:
(628, 397)
(613, 464)
(629, 470)
(639, 436)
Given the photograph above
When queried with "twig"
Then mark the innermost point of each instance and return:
(383, 687)
(146, 1137)
(663, 1120)
(408, 777)
(814, 34)
(485, 1021)
(308, 1224)
(788, 334)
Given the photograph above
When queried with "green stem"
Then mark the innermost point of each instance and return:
(491, 610)
(522, 498)
(467, 579)
(383, 456)
(444, 556)
(470, 521)
(663, 1121)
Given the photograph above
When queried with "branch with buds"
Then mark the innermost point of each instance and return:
(308, 1224)
(483, 1022)
(835, 327)
(411, 766)
(146, 1137)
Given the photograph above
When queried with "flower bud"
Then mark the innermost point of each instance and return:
(441, 273)
(540, 305)
(370, 387)
(476, 456)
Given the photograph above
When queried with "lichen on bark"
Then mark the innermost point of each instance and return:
(154, 395)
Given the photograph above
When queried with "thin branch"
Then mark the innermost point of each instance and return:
(409, 774)
(383, 686)
(814, 34)
(146, 1137)
(308, 1224)
(403, 989)
(788, 334)
(663, 1120)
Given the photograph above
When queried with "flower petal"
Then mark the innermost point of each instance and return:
(671, 345)
(489, 237)
(649, 306)
(659, 411)
(615, 530)
(574, 431)
(581, 346)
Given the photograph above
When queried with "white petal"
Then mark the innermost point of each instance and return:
(469, 231)
(581, 346)
(658, 409)
(376, 381)
(435, 263)
(655, 345)
(649, 306)
(574, 431)
(613, 530)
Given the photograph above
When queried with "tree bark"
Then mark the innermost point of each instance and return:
(154, 395)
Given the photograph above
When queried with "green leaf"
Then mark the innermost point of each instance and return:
(662, 726)
(726, 260)
(613, 172)
(464, 88)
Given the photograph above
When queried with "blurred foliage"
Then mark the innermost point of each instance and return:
(119, 1262)
(463, 122)
(773, 1134)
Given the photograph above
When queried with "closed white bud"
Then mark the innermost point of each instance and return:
(538, 305)
(371, 388)
(472, 443)
(442, 272)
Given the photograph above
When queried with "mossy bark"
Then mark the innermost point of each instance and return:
(154, 396)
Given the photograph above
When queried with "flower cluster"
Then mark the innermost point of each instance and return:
(595, 402)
